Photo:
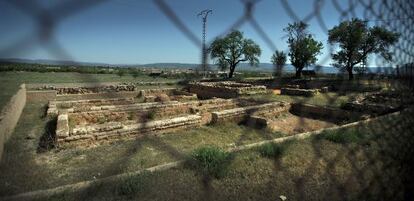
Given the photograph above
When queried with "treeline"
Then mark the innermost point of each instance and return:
(6, 66)
(120, 71)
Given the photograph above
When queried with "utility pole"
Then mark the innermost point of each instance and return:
(204, 15)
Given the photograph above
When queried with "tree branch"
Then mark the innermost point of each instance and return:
(240, 60)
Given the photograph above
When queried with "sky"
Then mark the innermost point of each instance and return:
(139, 32)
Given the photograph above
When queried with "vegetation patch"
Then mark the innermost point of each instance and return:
(210, 161)
(273, 150)
(133, 184)
(343, 136)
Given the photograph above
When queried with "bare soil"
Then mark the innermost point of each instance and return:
(291, 124)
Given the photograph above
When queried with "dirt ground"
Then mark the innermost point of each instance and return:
(292, 124)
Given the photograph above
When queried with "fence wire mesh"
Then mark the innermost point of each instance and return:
(395, 15)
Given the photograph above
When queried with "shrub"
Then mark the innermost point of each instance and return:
(342, 136)
(151, 115)
(272, 150)
(210, 161)
(133, 184)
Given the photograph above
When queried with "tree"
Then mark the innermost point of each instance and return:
(135, 73)
(233, 49)
(303, 49)
(120, 72)
(279, 60)
(357, 41)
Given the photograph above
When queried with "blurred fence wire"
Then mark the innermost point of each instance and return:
(396, 15)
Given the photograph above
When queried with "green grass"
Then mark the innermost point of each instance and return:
(273, 150)
(210, 161)
(35, 77)
(343, 136)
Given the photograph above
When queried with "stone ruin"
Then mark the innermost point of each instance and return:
(99, 88)
(163, 95)
(156, 111)
(295, 90)
(225, 89)
(378, 103)
(94, 121)
(90, 89)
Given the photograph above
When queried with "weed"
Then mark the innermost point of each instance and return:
(151, 115)
(133, 184)
(342, 136)
(273, 150)
(210, 161)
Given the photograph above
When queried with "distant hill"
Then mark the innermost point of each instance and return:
(52, 62)
(264, 67)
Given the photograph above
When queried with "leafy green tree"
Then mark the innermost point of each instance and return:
(303, 48)
(278, 60)
(233, 49)
(356, 41)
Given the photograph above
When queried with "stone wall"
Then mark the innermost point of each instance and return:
(10, 115)
(151, 95)
(242, 113)
(379, 103)
(298, 92)
(224, 89)
(41, 86)
(41, 95)
(154, 92)
(84, 105)
(116, 130)
(328, 113)
(105, 95)
(203, 104)
(61, 90)
(82, 126)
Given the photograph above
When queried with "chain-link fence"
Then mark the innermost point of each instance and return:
(395, 15)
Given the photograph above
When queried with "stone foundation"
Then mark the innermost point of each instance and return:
(298, 92)
(226, 89)
(89, 121)
(86, 122)
(379, 103)
(118, 130)
(242, 113)
(331, 114)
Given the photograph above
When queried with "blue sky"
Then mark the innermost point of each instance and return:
(138, 32)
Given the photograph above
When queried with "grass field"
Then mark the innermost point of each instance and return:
(10, 81)
(375, 165)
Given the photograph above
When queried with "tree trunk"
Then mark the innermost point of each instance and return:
(232, 68)
(298, 73)
(350, 74)
(278, 70)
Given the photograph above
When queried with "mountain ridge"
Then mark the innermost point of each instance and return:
(265, 67)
